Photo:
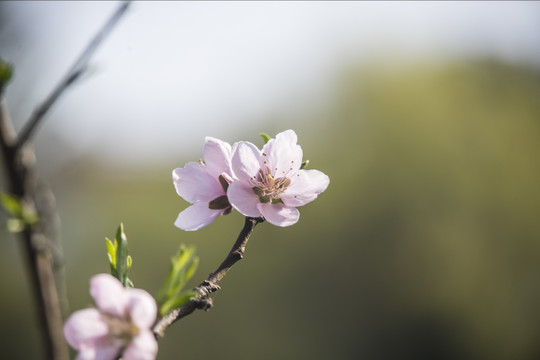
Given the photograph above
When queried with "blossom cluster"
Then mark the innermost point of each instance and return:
(121, 323)
(266, 183)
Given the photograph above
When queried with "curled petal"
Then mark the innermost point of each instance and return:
(282, 155)
(305, 187)
(84, 329)
(245, 160)
(196, 217)
(217, 156)
(243, 199)
(143, 347)
(142, 308)
(279, 214)
(109, 294)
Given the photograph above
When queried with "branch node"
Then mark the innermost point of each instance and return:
(204, 304)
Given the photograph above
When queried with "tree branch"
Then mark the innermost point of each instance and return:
(208, 286)
(19, 164)
(76, 70)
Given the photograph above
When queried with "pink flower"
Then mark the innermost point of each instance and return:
(205, 186)
(270, 183)
(122, 323)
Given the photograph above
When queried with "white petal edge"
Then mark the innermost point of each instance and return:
(243, 199)
(305, 187)
(245, 161)
(109, 294)
(279, 214)
(217, 156)
(196, 217)
(282, 154)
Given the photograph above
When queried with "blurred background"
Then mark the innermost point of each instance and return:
(425, 116)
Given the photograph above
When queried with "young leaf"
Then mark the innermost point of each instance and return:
(11, 204)
(176, 301)
(22, 214)
(6, 72)
(265, 137)
(305, 163)
(119, 260)
(183, 266)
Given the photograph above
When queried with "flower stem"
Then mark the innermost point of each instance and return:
(208, 286)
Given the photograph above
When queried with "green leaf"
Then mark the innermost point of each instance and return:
(11, 204)
(176, 301)
(119, 260)
(6, 72)
(111, 252)
(121, 254)
(265, 137)
(183, 266)
(305, 163)
(20, 212)
(191, 269)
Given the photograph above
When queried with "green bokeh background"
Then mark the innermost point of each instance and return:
(426, 244)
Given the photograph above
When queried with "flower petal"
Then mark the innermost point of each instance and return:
(282, 155)
(143, 347)
(196, 217)
(193, 183)
(279, 214)
(305, 187)
(142, 308)
(217, 156)
(85, 329)
(245, 161)
(86, 354)
(243, 199)
(109, 350)
(109, 294)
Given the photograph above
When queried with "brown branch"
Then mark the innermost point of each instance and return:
(18, 161)
(208, 286)
(76, 70)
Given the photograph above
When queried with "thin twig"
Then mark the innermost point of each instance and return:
(208, 286)
(76, 70)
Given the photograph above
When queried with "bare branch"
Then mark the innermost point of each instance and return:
(19, 165)
(76, 70)
(208, 286)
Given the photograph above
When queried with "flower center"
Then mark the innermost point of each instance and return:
(267, 187)
(120, 329)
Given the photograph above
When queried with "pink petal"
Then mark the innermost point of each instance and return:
(305, 187)
(142, 308)
(143, 347)
(243, 199)
(282, 155)
(194, 183)
(217, 156)
(245, 161)
(279, 214)
(196, 217)
(109, 294)
(84, 329)
(108, 351)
